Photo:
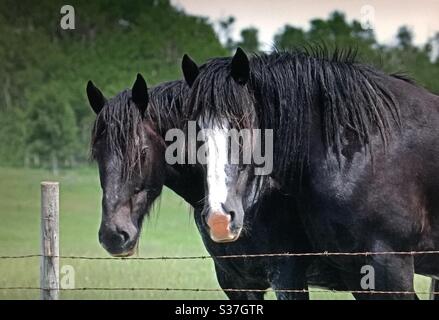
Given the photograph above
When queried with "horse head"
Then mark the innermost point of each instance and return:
(229, 141)
(127, 148)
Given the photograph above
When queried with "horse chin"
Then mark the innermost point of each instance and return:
(127, 253)
(231, 237)
(124, 254)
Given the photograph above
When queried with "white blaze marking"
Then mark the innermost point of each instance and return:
(216, 140)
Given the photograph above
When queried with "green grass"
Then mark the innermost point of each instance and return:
(170, 231)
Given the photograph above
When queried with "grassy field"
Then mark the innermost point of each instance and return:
(170, 231)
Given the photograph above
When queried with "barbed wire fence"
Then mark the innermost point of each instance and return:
(206, 257)
(50, 258)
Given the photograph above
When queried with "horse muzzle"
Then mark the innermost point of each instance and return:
(220, 227)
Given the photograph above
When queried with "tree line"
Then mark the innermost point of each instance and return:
(45, 120)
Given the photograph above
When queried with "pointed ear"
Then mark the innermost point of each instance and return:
(95, 97)
(139, 94)
(190, 70)
(240, 67)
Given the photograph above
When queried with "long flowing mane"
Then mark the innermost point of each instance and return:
(120, 125)
(287, 89)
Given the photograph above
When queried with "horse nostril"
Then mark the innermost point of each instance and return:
(125, 236)
(228, 211)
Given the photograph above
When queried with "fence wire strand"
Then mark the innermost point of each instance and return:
(224, 290)
(204, 257)
(267, 255)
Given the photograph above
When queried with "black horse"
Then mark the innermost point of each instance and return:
(128, 142)
(356, 148)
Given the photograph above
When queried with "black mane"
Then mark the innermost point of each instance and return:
(166, 105)
(120, 123)
(286, 88)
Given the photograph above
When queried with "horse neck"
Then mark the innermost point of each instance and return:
(187, 182)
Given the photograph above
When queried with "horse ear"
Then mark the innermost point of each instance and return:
(240, 67)
(139, 94)
(190, 70)
(95, 97)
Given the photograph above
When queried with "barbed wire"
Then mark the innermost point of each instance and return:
(203, 257)
(225, 290)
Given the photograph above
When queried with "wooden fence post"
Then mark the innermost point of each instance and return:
(49, 268)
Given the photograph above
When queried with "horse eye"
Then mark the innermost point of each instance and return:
(138, 190)
(143, 150)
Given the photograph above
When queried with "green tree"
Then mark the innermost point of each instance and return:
(52, 129)
(44, 69)
(414, 61)
(405, 37)
(249, 40)
(333, 32)
(290, 37)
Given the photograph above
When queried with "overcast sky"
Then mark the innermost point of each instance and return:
(269, 16)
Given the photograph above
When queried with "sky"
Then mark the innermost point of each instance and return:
(269, 16)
